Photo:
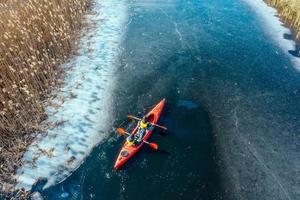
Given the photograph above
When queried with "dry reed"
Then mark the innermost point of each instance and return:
(289, 11)
(36, 36)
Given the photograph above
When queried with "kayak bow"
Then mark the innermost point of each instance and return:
(128, 150)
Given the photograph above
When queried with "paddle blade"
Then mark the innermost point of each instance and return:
(153, 145)
(121, 131)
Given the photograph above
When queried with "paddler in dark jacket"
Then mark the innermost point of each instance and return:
(143, 124)
(142, 127)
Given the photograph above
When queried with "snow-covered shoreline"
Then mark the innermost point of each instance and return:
(86, 115)
(274, 27)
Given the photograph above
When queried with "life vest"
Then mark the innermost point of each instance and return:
(143, 125)
(131, 143)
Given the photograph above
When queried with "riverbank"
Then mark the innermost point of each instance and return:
(86, 117)
(36, 37)
(289, 12)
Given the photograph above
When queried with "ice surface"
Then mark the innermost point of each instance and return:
(85, 116)
(275, 28)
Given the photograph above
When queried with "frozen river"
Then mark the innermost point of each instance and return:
(233, 92)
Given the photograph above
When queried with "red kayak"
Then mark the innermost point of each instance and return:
(128, 150)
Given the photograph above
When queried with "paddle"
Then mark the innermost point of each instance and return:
(122, 131)
(139, 119)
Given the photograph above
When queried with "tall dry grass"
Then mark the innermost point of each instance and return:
(36, 36)
(289, 11)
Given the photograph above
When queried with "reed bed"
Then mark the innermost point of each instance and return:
(289, 11)
(36, 36)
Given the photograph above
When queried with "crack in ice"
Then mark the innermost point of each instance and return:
(253, 151)
(176, 29)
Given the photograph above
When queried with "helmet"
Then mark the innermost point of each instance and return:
(144, 119)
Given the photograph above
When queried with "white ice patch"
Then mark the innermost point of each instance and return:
(86, 114)
(275, 28)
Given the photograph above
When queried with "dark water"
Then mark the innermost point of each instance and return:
(232, 111)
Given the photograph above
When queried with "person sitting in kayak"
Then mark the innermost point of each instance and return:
(143, 125)
(142, 128)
